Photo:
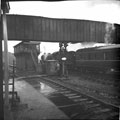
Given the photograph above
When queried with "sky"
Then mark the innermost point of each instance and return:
(98, 10)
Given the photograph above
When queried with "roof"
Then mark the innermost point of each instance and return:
(32, 42)
(92, 49)
(28, 43)
(110, 46)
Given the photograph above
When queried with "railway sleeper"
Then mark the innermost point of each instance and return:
(84, 102)
(97, 116)
(107, 116)
(82, 115)
(80, 100)
(89, 106)
(59, 88)
(73, 97)
(102, 110)
(62, 92)
(71, 94)
(56, 87)
(90, 101)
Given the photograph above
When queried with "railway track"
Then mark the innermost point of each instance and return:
(77, 105)
(112, 82)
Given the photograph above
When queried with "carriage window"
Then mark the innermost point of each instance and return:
(118, 56)
(89, 56)
(81, 57)
(104, 56)
(94, 56)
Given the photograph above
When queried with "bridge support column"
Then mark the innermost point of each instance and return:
(1, 74)
(6, 72)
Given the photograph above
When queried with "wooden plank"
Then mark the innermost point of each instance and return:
(98, 32)
(75, 30)
(68, 30)
(79, 31)
(82, 30)
(11, 24)
(19, 28)
(88, 31)
(47, 29)
(65, 30)
(55, 25)
(37, 28)
(46, 33)
(61, 30)
(28, 28)
(43, 28)
(92, 32)
(72, 30)
(103, 32)
(54, 30)
(86, 34)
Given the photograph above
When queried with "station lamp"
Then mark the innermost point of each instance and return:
(64, 58)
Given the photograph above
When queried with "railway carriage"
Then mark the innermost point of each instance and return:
(99, 59)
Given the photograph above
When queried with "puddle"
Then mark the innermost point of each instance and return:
(45, 89)
(41, 87)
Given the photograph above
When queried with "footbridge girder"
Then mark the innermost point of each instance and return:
(35, 28)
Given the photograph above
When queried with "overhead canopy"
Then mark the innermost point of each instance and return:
(34, 28)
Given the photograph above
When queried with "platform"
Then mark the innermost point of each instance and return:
(34, 106)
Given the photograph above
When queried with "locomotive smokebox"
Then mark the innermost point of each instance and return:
(52, 67)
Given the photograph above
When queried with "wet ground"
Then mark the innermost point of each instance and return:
(40, 101)
(33, 104)
(31, 88)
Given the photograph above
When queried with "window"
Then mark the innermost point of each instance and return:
(104, 56)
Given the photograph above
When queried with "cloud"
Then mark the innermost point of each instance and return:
(99, 10)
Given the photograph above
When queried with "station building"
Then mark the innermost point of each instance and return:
(26, 54)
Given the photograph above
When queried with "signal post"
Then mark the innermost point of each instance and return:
(63, 58)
